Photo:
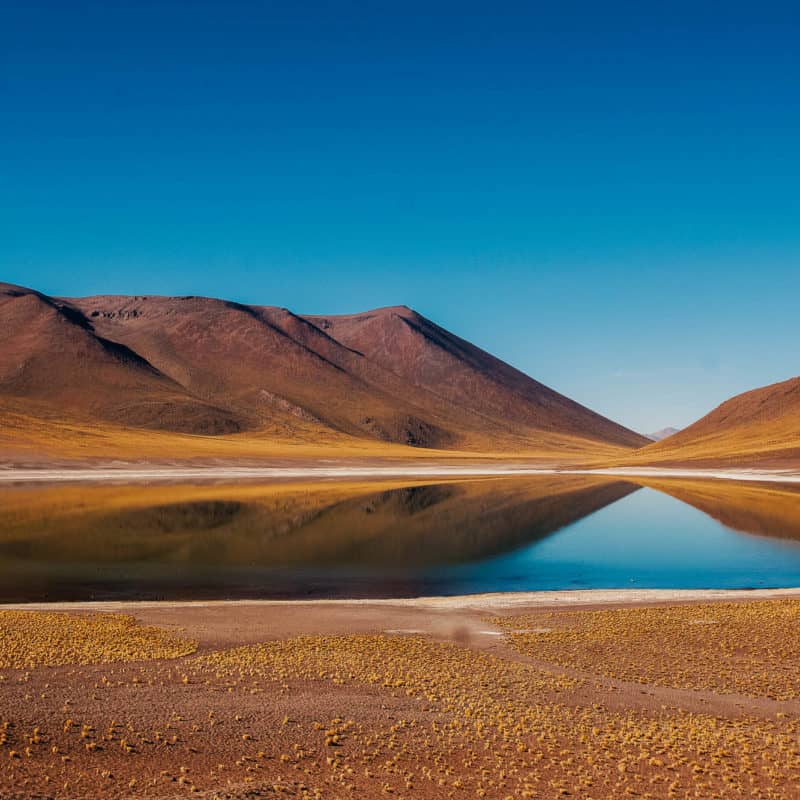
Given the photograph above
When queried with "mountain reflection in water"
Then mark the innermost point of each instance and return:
(380, 539)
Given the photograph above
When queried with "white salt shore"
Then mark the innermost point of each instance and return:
(414, 471)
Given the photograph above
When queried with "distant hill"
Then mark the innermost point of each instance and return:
(214, 367)
(662, 434)
(759, 427)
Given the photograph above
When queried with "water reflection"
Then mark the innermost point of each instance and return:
(764, 510)
(370, 539)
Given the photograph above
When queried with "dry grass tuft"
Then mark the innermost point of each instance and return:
(32, 638)
(403, 716)
(733, 648)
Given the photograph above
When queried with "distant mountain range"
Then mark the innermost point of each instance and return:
(230, 379)
(208, 367)
(657, 436)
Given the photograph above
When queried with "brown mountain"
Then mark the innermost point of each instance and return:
(760, 428)
(425, 355)
(53, 361)
(205, 366)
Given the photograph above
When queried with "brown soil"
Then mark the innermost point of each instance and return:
(415, 699)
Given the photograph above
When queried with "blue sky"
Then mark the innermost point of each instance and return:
(605, 195)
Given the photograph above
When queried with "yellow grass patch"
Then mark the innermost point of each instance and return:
(32, 638)
(489, 727)
(744, 648)
(44, 435)
(373, 716)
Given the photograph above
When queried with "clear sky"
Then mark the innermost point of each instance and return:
(605, 195)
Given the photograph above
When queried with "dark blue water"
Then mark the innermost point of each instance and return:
(523, 534)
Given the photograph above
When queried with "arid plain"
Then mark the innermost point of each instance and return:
(473, 697)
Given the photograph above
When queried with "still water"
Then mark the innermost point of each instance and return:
(378, 540)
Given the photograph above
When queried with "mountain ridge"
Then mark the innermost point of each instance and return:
(663, 433)
(212, 367)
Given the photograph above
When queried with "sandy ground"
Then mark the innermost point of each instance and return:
(149, 474)
(476, 717)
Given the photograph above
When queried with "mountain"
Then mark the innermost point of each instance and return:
(662, 434)
(213, 367)
(758, 428)
(425, 355)
(53, 360)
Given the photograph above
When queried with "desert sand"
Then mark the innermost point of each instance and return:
(585, 694)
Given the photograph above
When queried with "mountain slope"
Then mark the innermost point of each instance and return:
(205, 366)
(427, 356)
(759, 427)
(52, 358)
(248, 359)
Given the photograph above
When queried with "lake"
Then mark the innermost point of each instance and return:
(384, 539)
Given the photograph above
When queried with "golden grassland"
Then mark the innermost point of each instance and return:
(405, 716)
(24, 435)
(748, 648)
(31, 639)
(506, 730)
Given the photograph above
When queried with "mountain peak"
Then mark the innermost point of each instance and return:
(657, 436)
(205, 365)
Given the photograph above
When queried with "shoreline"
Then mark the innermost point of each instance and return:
(283, 473)
(467, 602)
